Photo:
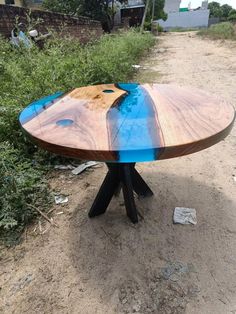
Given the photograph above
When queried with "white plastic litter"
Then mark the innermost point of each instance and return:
(136, 66)
(60, 213)
(33, 33)
(64, 167)
(61, 199)
(185, 216)
(84, 166)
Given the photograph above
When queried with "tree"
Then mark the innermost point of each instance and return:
(145, 14)
(232, 12)
(215, 9)
(101, 10)
(232, 16)
(225, 9)
(158, 6)
(157, 14)
(71, 7)
(223, 12)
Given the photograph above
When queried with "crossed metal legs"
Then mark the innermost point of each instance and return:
(126, 176)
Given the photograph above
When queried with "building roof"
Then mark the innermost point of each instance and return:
(133, 6)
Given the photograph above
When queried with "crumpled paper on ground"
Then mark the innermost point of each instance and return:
(185, 216)
(61, 199)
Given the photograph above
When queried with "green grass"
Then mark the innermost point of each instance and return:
(182, 30)
(225, 30)
(27, 75)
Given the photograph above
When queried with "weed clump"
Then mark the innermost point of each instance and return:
(225, 30)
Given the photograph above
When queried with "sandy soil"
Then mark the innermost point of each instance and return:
(107, 265)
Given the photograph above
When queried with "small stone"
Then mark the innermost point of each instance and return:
(174, 278)
(161, 50)
(22, 283)
(193, 290)
(136, 308)
(124, 301)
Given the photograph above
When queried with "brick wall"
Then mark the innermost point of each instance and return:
(81, 27)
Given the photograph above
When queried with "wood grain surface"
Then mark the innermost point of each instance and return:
(128, 122)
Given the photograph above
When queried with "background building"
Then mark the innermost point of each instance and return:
(23, 3)
(131, 12)
(37, 4)
(18, 3)
(185, 18)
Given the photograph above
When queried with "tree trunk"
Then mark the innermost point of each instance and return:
(153, 9)
(144, 16)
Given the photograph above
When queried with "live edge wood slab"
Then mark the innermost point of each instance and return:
(122, 124)
(128, 122)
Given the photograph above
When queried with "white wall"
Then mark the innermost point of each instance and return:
(172, 6)
(189, 19)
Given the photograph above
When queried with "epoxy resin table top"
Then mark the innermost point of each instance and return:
(128, 122)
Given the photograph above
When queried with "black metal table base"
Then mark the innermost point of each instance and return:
(122, 175)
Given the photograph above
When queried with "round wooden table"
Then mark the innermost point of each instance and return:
(127, 123)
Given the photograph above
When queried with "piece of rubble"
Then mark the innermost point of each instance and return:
(161, 50)
(174, 270)
(22, 283)
(64, 167)
(84, 166)
(60, 213)
(185, 216)
(61, 199)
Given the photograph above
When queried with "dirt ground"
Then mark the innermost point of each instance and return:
(107, 265)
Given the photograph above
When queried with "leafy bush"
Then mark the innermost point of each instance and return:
(219, 31)
(21, 186)
(232, 17)
(159, 28)
(148, 25)
(27, 75)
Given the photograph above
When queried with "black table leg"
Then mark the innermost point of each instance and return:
(127, 188)
(107, 190)
(126, 176)
(139, 185)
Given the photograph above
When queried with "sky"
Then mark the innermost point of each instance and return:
(197, 3)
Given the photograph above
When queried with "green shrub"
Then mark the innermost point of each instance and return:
(223, 30)
(148, 25)
(22, 186)
(159, 28)
(232, 18)
(182, 30)
(26, 75)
